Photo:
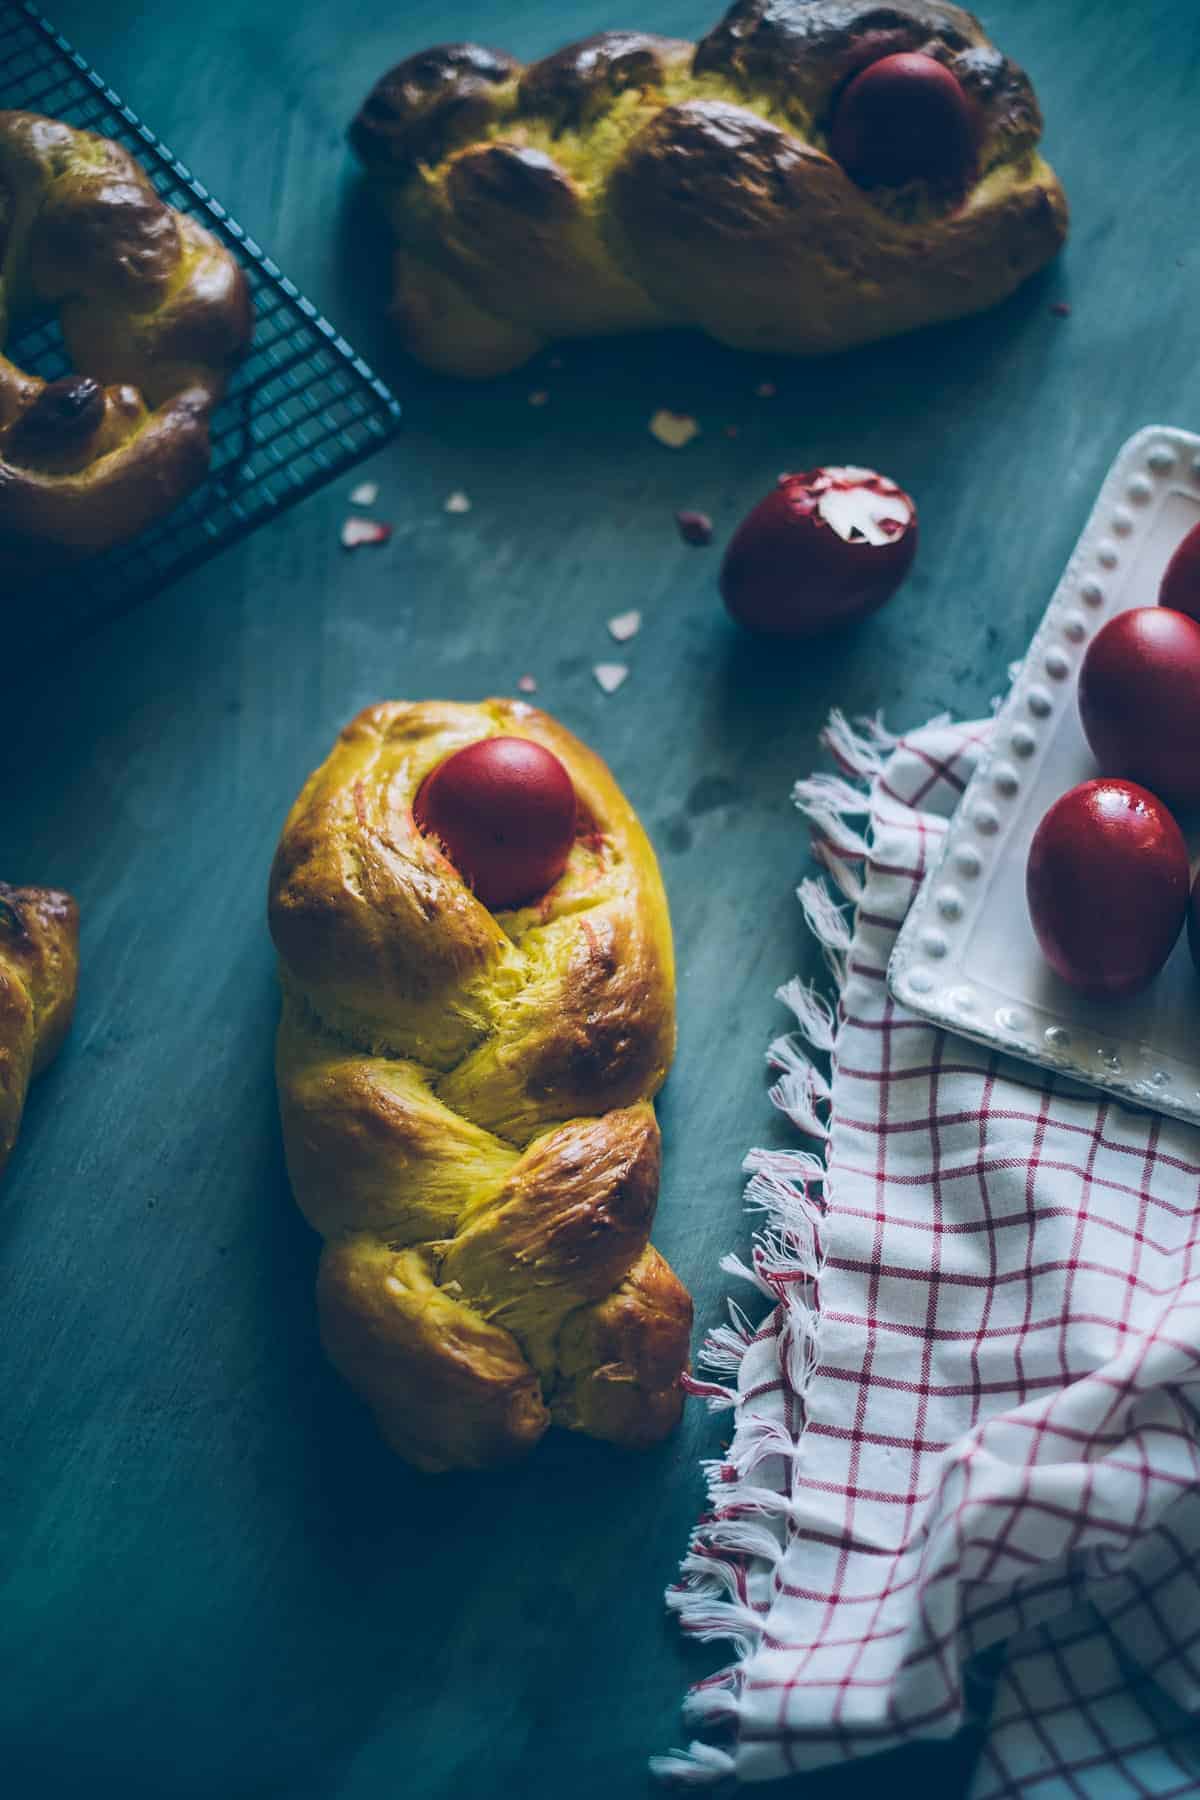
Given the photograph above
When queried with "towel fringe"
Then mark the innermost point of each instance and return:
(753, 1489)
(784, 1261)
(791, 1208)
(751, 1500)
(785, 1054)
(785, 1165)
(827, 922)
(701, 1765)
(827, 801)
(715, 1395)
(832, 793)
(732, 1264)
(761, 1438)
(798, 1097)
(813, 1013)
(861, 749)
(801, 1091)
(711, 1709)
(741, 1537)
(706, 1577)
(845, 879)
(709, 1613)
(723, 1350)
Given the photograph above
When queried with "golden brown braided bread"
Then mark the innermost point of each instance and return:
(632, 181)
(39, 968)
(154, 312)
(466, 1103)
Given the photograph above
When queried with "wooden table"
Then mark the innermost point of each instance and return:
(215, 1581)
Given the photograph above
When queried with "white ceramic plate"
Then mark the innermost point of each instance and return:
(967, 957)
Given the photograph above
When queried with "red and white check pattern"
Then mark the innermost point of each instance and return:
(971, 1415)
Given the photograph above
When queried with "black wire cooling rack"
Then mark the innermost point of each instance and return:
(301, 408)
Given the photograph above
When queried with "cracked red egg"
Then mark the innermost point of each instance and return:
(827, 546)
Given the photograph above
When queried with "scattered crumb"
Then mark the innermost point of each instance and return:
(673, 429)
(732, 431)
(457, 502)
(1061, 310)
(526, 684)
(365, 494)
(539, 397)
(625, 626)
(610, 675)
(694, 527)
(765, 390)
(364, 531)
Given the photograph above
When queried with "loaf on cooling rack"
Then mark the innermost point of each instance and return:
(154, 313)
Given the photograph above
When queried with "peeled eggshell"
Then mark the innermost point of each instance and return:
(503, 811)
(1139, 700)
(827, 546)
(1107, 886)
(1180, 589)
(357, 531)
(695, 528)
(610, 675)
(624, 626)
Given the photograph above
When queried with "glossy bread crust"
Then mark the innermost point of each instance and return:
(466, 1104)
(154, 313)
(633, 181)
(39, 971)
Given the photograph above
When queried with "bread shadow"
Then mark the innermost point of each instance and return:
(903, 379)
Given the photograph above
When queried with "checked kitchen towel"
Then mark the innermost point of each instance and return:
(972, 1413)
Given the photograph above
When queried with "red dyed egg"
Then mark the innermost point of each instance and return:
(905, 118)
(1139, 699)
(1107, 884)
(503, 810)
(826, 547)
(1180, 589)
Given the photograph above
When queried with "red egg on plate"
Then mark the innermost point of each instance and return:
(1139, 700)
(1180, 588)
(1107, 884)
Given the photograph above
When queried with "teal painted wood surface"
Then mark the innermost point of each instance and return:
(215, 1581)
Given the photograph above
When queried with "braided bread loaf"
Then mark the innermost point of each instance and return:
(632, 181)
(466, 1104)
(39, 967)
(154, 312)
